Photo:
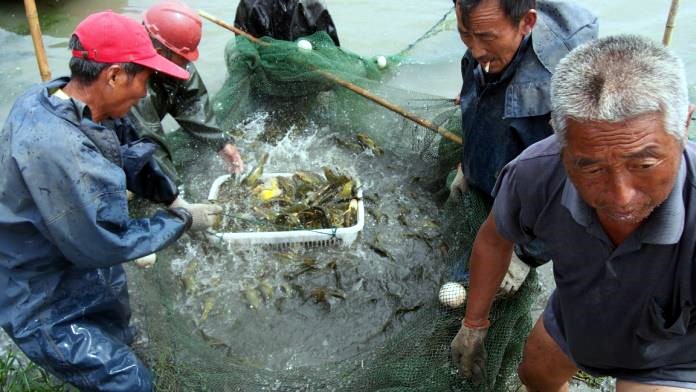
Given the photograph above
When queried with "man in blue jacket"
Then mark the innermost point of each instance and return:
(513, 47)
(64, 223)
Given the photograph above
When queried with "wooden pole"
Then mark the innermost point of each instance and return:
(667, 37)
(230, 27)
(394, 108)
(35, 29)
(350, 86)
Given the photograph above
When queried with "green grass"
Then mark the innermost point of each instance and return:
(17, 377)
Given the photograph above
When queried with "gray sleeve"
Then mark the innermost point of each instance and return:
(512, 211)
(192, 110)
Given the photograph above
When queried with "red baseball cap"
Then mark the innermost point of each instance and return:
(108, 37)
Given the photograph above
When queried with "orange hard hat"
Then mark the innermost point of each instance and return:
(176, 26)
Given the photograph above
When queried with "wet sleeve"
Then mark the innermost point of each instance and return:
(192, 110)
(82, 198)
(312, 16)
(144, 175)
(247, 19)
(514, 217)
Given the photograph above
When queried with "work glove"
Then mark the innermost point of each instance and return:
(514, 277)
(203, 215)
(469, 354)
(458, 185)
(146, 262)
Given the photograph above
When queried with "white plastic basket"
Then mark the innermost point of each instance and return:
(310, 238)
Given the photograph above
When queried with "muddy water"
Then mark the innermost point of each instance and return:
(332, 303)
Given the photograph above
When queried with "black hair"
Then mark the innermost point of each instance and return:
(514, 9)
(87, 71)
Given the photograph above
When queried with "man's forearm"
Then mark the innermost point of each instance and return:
(490, 259)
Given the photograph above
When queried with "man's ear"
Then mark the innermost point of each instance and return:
(689, 117)
(528, 22)
(113, 74)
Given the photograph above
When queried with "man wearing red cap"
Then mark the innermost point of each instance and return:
(64, 223)
(175, 30)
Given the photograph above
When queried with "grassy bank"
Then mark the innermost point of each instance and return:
(15, 376)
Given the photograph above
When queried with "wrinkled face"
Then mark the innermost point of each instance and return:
(623, 170)
(491, 36)
(125, 91)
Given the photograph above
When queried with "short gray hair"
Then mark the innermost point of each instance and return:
(617, 78)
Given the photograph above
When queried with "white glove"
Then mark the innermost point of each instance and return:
(514, 277)
(203, 215)
(458, 185)
(179, 203)
(469, 354)
(146, 261)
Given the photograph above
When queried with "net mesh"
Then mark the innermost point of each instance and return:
(415, 358)
(197, 336)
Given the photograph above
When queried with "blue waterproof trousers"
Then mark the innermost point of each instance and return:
(87, 345)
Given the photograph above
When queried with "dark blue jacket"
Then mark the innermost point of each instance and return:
(501, 119)
(64, 212)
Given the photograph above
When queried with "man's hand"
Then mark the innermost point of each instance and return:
(203, 215)
(468, 352)
(514, 277)
(231, 156)
(458, 185)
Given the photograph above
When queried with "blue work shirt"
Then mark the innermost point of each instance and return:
(626, 311)
(64, 212)
(502, 117)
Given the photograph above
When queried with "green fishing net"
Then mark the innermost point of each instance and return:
(203, 333)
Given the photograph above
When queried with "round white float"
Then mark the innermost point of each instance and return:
(452, 294)
(304, 45)
(381, 62)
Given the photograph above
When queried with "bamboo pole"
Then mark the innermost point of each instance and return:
(667, 37)
(35, 29)
(394, 108)
(230, 27)
(350, 86)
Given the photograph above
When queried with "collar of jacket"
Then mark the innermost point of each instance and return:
(77, 113)
(560, 28)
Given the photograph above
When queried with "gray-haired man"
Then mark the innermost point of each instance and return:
(612, 196)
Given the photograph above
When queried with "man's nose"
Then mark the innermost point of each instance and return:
(477, 49)
(622, 189)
